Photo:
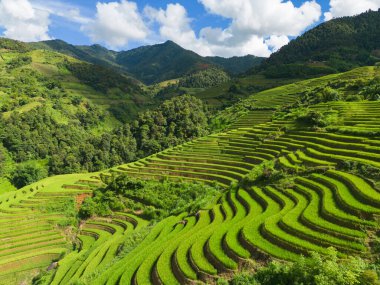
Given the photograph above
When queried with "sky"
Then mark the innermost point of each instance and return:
(209, 27)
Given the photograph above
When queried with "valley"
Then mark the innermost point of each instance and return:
(124, 167)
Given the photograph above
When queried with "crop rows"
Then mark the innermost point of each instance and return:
(29, 237)
(319, 211)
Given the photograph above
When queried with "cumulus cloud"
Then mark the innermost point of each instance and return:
(21, 21)
(265, 18)
(116, 23)
(174, 24)
(340, 8)
(257, 27)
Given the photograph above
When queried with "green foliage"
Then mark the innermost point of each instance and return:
(372, 92)
(321, 95)
(176, 121)
(19, 61)
(27, 173)
(204, 79)
(73, 148)
(317, 119)
(157, 199)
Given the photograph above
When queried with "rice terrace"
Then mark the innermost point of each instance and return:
(165, 164)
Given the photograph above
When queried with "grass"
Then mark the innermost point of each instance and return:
(197, 253)
(215, 243)
(330, 207)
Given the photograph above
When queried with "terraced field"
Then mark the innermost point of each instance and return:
(319, 205)
(31, 231)
(322, 209)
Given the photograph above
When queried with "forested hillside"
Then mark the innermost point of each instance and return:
(61, 115)
(335, 46)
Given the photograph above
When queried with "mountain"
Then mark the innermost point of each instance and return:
(161, 62)
(152, 64)
(237, 64)
(95, 54)
(338, 45)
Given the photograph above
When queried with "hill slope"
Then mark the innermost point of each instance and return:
(337, 45)
(53, 105)
(304, 176)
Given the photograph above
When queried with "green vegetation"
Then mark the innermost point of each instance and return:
(27, 173)
(204, 79)
(149, 64)
(278, 181)
(69, 148)
(280, 188)
(316, 270)
(335, 46)
(154, 200)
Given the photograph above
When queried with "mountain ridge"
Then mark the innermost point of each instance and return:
(138, 62)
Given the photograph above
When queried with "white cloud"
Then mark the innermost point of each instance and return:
(340, 8)
(267, 17)
(257, 27)
(276, 42)
(116, 23)
(175, 25)
(68, 11)
(22, 21)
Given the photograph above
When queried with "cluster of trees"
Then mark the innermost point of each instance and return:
(204, 79)
(321, 95)
(155, 199)
(27, 173)
(174, 122)
(372, 91)
(36, 135)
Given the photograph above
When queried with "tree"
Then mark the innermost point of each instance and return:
(28, 173)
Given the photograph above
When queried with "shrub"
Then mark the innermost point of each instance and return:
(354, 98)
(88, 209)
(315, 119)
(28, 173)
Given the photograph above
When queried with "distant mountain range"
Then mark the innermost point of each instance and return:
(152, 64)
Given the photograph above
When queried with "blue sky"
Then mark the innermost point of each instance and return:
(196, 11)
(208, 27)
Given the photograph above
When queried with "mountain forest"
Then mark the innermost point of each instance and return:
(124, 167)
